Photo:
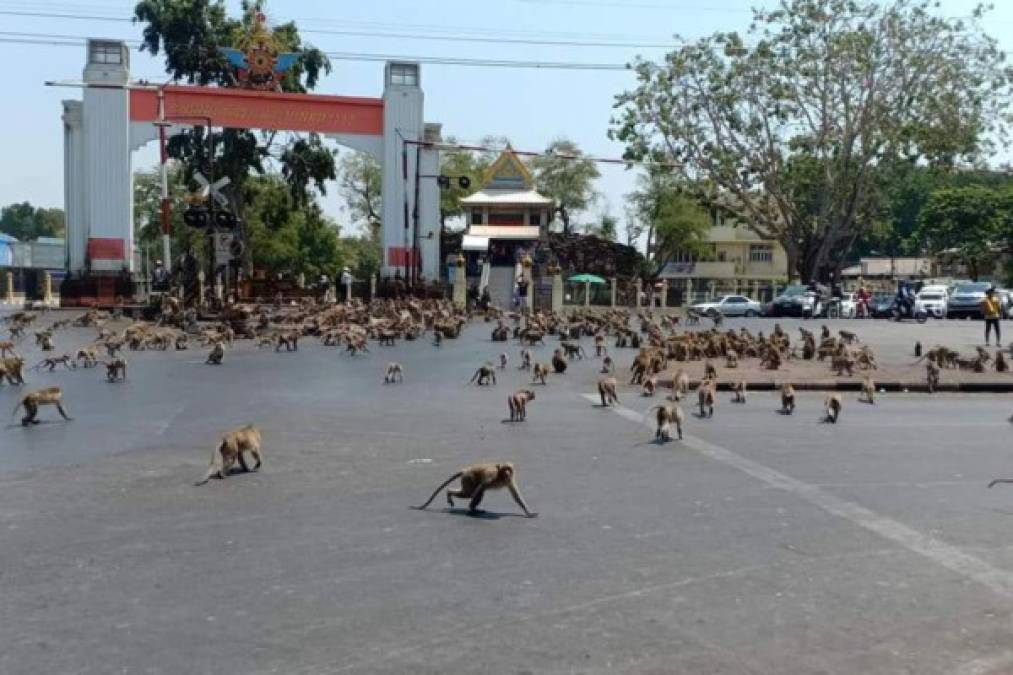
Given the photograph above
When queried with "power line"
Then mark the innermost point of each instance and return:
(75, 41)
(390, 35)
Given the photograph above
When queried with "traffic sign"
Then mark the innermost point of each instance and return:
(214, 188)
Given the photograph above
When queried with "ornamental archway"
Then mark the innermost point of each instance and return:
(117, 117)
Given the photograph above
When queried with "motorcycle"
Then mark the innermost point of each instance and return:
(907, 310)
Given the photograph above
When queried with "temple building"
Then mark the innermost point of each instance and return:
(507, 216)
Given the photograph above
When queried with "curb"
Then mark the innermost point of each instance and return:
(905, 387)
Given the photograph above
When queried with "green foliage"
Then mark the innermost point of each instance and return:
(565, 175)
(360, 181)
(607, 227)
(147, 215)
(190, 33)
(455, 163)
(25, 222)
(791, 126)
(668, 209)
(973, 222)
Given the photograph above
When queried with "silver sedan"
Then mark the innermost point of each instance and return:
(728, 305)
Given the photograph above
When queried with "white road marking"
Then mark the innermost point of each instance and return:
(948, 556)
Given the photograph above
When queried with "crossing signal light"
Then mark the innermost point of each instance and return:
(464, 182)
(225, 220)
(197, 217)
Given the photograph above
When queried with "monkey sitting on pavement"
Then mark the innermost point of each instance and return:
(709, 371)
(216, 355)
(33, 401)
(787, 399)
(650, 385)
(833, 405)
(116, 369)
(607, 391)
(12, 367)
(484, 373)
(478, 478)
(504, 359)
(740, 392)
(558, 362)
(918, 348)
(1000, 362)
(608, 365)
(231, 449)
(932, 376)
(6, 348)
(541, 371)
(288, 340)
(394, 373)
(182, 342)
(518, 404)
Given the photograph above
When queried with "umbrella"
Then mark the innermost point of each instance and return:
(587, 279)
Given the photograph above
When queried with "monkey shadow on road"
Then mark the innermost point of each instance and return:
(477, 515)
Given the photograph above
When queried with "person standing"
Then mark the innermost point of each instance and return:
(991, 308)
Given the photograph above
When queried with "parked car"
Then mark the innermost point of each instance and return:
(793, 301)
(881, 305)
(729, 305)
(966, 300)
(933, 301)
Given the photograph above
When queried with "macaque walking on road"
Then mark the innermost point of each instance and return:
(478, 478)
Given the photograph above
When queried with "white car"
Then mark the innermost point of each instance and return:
(932, 300)
(728, 305)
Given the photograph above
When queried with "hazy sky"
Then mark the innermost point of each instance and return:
(529, 106)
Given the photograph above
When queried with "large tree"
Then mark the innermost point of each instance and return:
(669, 211)
(790, 123)
(972, 223)
(567, 176)
(456, 163)
(27, 223)
(190, 33)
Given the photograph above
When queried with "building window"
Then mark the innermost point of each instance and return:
(105, 52)
(534, 219)
(404, 73)
(761, 253)
(506, 218)
(683, 257)
(476, 217)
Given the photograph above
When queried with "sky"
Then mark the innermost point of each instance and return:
(529, 106)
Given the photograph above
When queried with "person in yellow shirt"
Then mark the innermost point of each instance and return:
(992, 309)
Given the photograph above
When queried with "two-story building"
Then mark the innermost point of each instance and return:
(736, 260)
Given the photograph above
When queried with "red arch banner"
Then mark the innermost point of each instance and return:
(248, 109)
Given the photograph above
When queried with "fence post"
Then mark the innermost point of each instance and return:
(9, 292)
(613, 280)
(587, 293)
(557, 289)
(460, 283)
(639, 288)
(47, 288)
(664, 294)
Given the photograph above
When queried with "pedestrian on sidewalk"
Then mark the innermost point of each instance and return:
(991, 308)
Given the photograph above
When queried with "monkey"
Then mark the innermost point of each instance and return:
(787, 399)
(394, 373)
(740, 392)
(650, 385)
(89, 356)
(266, 341)
(17, 332)
(484, 373)
(709, 371)
(869, 390)
(841, 363)
(1001, 366)
(182, 342)
(599, 345)
(518, 404)
(51, 363)
(680, 384)
(558, 362)
(824, 332)
(932, 376)
(387, 337)
(665, 417)
(33, 401)
(7, 348)
(437, 338)
(478, 478)
(47, 343)
(541, 371)
(525, 360)
(833, 405)
(607, 391)
(705, 396)
(731, 359)
(288, 340)
(571, 350)
(231, 449)
(504, 358)
(116, 369)
(13, 367)
(848, 337)
(608, 365)
(918, 349)
(216, 355)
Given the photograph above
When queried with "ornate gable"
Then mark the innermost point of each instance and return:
(508, 173)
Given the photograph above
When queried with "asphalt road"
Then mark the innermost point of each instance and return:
(760, 544)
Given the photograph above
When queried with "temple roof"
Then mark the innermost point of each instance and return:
(507, 182)
(506, 198)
